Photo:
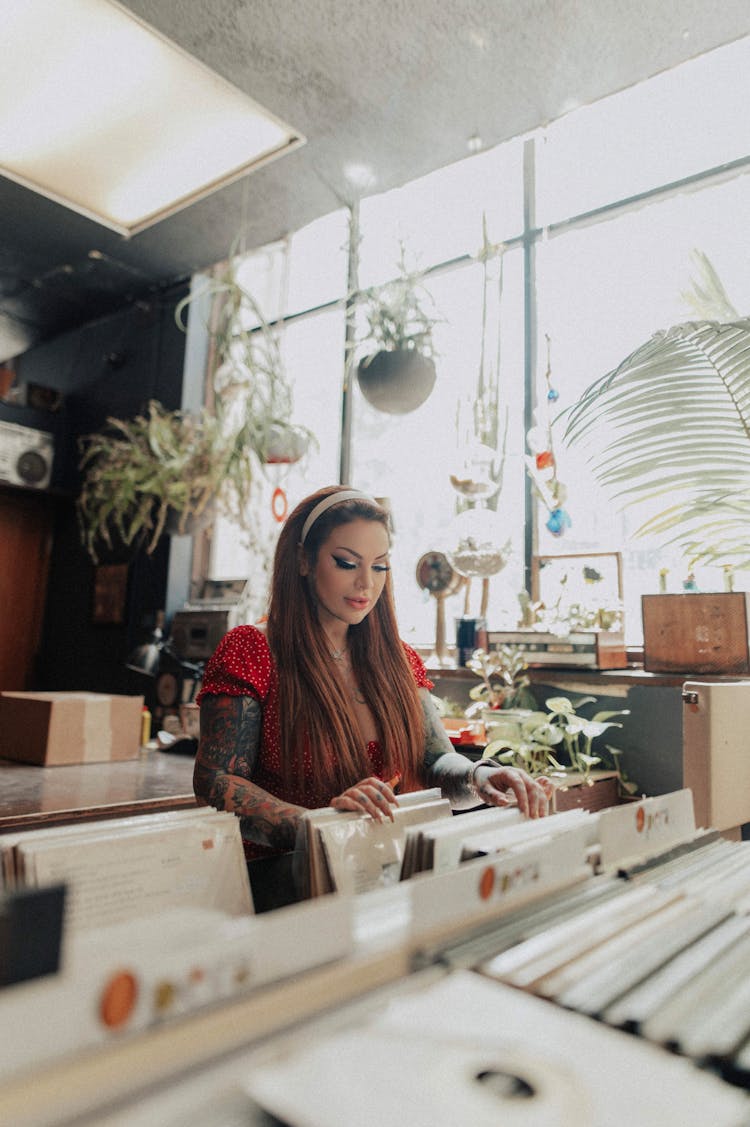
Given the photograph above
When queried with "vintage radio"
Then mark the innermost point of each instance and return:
(199, 626)
(195, 633)
(592, 649)
(26, 456)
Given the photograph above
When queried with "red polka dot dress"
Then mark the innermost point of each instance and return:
(242, 665)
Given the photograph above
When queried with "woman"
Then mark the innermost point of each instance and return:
(327, 706)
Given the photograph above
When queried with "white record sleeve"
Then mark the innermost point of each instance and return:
(468, 1050)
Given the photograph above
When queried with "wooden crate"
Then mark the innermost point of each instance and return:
(696, 633)
(598, 792)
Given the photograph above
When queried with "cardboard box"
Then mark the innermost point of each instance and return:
(696, 633)
(58, 728)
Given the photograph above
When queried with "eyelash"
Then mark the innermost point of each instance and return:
(347, 565)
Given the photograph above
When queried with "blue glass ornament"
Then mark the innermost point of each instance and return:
(553, 395)
(557, 522)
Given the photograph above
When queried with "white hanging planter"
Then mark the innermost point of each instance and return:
(286, 445)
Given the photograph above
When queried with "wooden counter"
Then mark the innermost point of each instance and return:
(603, 678)
(32, 797)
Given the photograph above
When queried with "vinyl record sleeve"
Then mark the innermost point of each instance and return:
(467, 1050)
(363, 854)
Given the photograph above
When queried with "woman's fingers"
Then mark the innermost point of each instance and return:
(532, 795)
(371, 796)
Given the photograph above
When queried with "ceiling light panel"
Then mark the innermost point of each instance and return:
(106, 116)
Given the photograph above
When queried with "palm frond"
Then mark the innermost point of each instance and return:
(673, 420)
(707, 295)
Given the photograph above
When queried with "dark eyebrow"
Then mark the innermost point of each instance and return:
(343, 548)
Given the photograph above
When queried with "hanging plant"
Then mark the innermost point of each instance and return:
(249, 384)
(399, 374)
(482, 436)
(140, 473)
(164, 470)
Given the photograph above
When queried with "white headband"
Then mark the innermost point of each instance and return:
(333, 499)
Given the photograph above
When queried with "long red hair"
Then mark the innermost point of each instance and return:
(313, 710)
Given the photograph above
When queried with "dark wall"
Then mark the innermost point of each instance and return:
(110, 367)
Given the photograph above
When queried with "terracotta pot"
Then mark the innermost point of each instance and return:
(396, 382)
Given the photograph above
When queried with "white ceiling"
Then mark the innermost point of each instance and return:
(399, 87)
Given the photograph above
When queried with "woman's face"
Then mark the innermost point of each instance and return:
(350, 572)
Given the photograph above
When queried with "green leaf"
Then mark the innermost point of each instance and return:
(494, 747)
(589, 760)
(698, 374)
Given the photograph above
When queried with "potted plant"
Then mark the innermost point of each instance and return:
(559, 744)
(672, 421)
(162, 466)
(504, 684)
(248, 384)
(398, 375)
(166, 469)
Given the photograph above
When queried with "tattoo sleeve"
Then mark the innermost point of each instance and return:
(224, 765)
(444, 767)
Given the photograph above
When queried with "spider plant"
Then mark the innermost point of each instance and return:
(672, 421)
(397, 314)
(137, 473)
(164, 468)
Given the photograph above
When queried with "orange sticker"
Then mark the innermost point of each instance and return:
(486, 883)
(640, 819)
(118, 999)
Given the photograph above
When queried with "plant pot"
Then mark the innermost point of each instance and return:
(397, 381)
(175, 527)
(597, 792)
(286, 445)
(504, 723)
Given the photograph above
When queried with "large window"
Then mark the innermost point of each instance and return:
(616, 196)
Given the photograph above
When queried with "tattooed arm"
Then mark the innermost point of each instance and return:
(467, 784)
(445, 767)
(227, 753)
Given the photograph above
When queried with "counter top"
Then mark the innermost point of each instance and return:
(32, 797)
(633, 675)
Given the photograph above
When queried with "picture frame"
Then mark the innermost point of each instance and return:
(110, 594)
(579, 574)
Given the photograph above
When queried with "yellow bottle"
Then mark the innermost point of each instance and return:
(145, 726)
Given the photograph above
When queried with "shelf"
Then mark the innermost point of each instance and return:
(548, 674)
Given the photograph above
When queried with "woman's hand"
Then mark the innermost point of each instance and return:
(496, 786)
(371, 796)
